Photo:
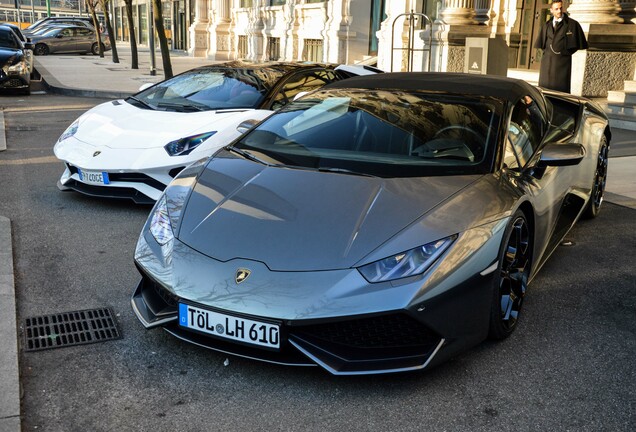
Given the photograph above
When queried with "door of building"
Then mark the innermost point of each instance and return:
(533, 14)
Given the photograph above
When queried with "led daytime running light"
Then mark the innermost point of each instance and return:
(184, 146)
(410, 263)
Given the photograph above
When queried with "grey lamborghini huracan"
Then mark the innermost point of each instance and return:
(381, 224)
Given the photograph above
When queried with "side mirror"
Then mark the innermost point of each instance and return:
(59, 35)
(300, 94)
(555, 154)
(246, 125)
(145, 86)
(29, 45)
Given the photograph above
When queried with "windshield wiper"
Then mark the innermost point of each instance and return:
(180, 107)
(247, 155)
(345, 171)
(146, 104)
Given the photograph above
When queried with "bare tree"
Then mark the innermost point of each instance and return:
(163, 40)
(131, 35)
(109, 30)
(92, 4)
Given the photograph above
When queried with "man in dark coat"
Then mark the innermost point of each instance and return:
(559, 38)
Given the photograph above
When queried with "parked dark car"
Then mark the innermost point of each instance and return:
(66, 39)
(14, 68)
(28, 49)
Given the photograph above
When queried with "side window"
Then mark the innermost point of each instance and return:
(304, 81)
(83, 32)
(525, 130)
(66, 32)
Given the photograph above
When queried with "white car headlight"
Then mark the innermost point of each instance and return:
(160, 226)
(70, 131)
(410, 263)
(185, 145)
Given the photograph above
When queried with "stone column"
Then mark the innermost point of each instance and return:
(483, 11)
(595, 11)
(388, 34)
(628, 10)
(199, 30)
(606, 65)
(458, 12)
(219, 31)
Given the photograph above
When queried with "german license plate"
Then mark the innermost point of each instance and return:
(229, 327)
(93, 177)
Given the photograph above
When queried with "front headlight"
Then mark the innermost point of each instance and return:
(160, 226)
(70, 131)
(184, 146)
(410, 263)
(19, 68)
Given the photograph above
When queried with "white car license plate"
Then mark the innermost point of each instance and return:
(93, 177)
(229, 327)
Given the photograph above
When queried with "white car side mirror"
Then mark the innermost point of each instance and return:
(145, 86)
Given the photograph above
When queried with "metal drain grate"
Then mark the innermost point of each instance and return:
(70, 328)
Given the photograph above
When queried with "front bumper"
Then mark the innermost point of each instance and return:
(379, 343)
(333, 319)
(139, 187)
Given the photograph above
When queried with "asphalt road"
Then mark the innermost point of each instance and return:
(571, 365)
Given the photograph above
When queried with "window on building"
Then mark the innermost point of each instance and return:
(277, 2)
(273, 48)
(245, 3)
(312, 50)
(242, 46)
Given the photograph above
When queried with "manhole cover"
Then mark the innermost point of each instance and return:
(70, 328)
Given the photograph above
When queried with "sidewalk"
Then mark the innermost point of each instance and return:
(93, 76)
(87, 75)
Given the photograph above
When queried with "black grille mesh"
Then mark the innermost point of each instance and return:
(386, 331)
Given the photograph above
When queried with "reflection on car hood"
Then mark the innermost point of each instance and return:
(299, 220)
(7, 53)
(119, 124)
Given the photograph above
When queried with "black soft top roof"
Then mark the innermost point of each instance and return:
(506, 89)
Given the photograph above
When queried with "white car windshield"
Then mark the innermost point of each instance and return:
(204, 89)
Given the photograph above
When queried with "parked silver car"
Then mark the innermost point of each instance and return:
(65, 39)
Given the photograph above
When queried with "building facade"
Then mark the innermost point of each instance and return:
(395, 34)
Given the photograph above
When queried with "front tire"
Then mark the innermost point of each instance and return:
(95, 48)
(593, 207)
(41, 49)
(511, 282)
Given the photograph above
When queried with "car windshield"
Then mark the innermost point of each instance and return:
(7, 40)
(380, 133)
(205, 89)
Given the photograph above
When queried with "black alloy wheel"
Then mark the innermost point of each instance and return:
(600, 180)
(512, 280)
(41, 49)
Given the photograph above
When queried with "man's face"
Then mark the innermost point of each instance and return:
(556, 9)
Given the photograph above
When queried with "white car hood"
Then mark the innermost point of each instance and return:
(120, 125)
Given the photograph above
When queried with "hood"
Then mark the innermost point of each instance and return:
(298, 220)
(8, 55)
(118, 124)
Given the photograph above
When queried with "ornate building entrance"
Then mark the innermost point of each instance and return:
(533, 14)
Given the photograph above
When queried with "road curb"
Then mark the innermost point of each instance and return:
(3, 136)
(9, 369)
